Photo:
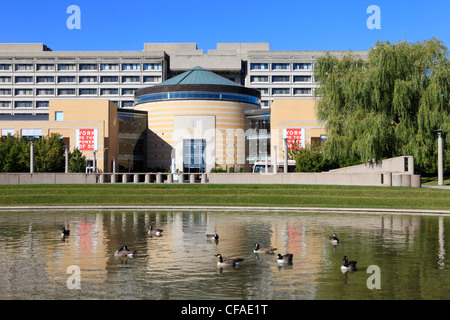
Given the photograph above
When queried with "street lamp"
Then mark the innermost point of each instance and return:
(440, 159)
(31, 139)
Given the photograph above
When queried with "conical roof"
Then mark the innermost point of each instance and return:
(198, 75)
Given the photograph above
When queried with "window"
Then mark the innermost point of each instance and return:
(280, 78)
(24, 79)
(194, 155)
(128, 91)
(280, 91)
(109, 79)
(5, 67)
(6, 132)
(263, 90)
(24, 104)
(259, 79)
(67, 67)
(130, 79)
(127, 104)
(24, 67)
(280, 66)
(302, 66)
(91, 79)
(302, 78)
(264, 103)
(131, 66)
(259, 66)
(45, 92)
(5, 79)
(88, 92)
(41, 79)
(152, 79)
(109, 91)
(42, 104)
(152, 66)
(24, 92)
(302, 91)
(109, 66)
(45, 67)
(88, 66)
(59, 116)
(64, 92)
(5, 92)
(5, 104)
(65, 79)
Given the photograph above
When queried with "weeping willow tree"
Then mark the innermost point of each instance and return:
(387, 105)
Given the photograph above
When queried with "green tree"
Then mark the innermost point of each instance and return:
(49, 154)
(388, 105)
(77, 161)
(14, 154)
(311, 159)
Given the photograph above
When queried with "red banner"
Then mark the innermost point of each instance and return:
(86, 139)
(295, 138)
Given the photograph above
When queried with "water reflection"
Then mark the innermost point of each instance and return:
(181, 264)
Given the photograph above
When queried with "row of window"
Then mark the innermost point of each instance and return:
(45, 104)
(266, 91)
(281, 66)
(186, 95)
(81, 79)
(81, 66)
(274, 79)
(66, 91)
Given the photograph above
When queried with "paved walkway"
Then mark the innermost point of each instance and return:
(233, 208)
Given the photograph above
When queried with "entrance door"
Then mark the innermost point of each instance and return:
(194, 155)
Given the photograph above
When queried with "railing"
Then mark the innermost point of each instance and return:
(145, 177)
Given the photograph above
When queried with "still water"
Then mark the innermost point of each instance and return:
(409, 252)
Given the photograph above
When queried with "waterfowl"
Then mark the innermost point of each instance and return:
(64, 232)
(124, 252)
(263, 250)
(285, 258)
(156, 232)
(348, 265)
(334, 239)
(214, 236)
(228, 262)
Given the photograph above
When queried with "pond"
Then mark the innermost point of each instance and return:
(401, 257)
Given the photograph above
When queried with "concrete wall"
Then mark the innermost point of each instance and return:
(47, 178)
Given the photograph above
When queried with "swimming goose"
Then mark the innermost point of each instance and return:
(156, 232)
(263, 250)
(228, 262)
(214, 236)
(348, 265)
(124, 252)
(334, 239)
(285, 258)
(64, 232)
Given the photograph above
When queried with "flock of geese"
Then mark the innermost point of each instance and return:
(347, 265)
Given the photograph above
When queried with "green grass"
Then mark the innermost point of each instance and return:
(225, 195)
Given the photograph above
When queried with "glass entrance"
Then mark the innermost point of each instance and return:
(194, 155)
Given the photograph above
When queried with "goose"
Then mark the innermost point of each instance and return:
(263, 250)
(214, 236)
(228, 262)
(348, 265)
(285, 258)
(64, 232)
(156, 232)
(124, 252)
(334, 239)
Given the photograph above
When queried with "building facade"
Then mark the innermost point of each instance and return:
(32, 74)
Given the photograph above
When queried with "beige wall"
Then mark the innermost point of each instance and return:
(293, 113)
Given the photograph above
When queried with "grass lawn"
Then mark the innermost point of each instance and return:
(225, 195)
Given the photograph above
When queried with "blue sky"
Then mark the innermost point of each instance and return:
(285, 24)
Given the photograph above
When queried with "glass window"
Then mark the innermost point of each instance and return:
(66, 92)
(130, 79)
(280, 91)
(88, 79)
(24, 79)
(66, 79)
(24, 104)
(280, 66)
(259, 66)
(45, 67)
(302, 66)
(42, 104)
(109, 79)
(5, 79)
(88, 91)
(109, 91)
(5, 92)
(41, 79)
(302, 78)
(24, 92)
(24, 67)
(67, 67)
(128, 90)
(152, 66)
(194, 155)
(41, 92)
(5, 104)
(259, 78)
(152, 79)
(88, 66)
(302, 91)
(280, 78)
(5, 67)
(109, 66)
(131, 66)
(59, 116)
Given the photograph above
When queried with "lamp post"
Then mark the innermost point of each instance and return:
(31, 154)
(440, 159)
(66, 152)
